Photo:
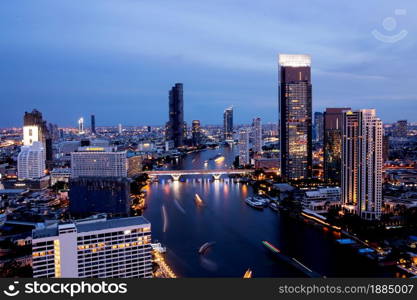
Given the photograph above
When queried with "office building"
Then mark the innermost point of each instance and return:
(96, 247)
(362, 163)
(175, 128)
(196, 133)
(81, 125)
(119, 129)
(92, 195)
(401, 128)
(318, 127)
(228, 124)
(385, 148)
(244, 158)
(332, 145)
(295, 100)
(98, 162)
(93, 124)
(257, 135)
(31, 162)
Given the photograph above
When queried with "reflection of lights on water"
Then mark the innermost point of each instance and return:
(164, 218)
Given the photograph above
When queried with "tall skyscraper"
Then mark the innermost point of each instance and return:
(120, 129)
(257, 135)
(98, 162)
(401, 128)
(318, 127)
(228, 124)
(362, 163)
(196, 132)
(175, 127)
(31, 162)
(93, 124)
(95, 247)
(244, 147)
(333, 145)
(295, 101)
(81, 125)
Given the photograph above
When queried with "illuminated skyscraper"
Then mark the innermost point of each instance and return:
(81, 125)
(31, 162)
(96, 247)
(295, 100)
(244, 147)
(318, 127)
(362, 163)
(196, 132)
(120, 129)
(333, 145)
(228, 123)
(257, 135)
(175, 126)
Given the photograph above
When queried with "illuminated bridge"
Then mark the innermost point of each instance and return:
(216, 173)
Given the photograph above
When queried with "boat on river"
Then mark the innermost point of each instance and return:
(253, 203)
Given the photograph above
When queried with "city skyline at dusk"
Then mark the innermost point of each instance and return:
(133, 59)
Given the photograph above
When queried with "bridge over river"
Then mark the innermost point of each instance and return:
(216, 173)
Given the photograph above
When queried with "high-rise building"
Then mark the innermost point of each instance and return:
(401, 128)
(95, 247)
(175, 126)
(93, 124)
(318, 127)
(244, 158)
(92, 195)
(295, 101)
(120, 129)
(228, 124)
(196, 133)
(98, 162)
(385, 148)
(257, 135)
(31, 162)
(81, 125)
(362, 163)
(333, 145)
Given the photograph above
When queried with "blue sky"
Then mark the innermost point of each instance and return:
(118, 58)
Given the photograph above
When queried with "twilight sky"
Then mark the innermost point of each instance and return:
(118, 58)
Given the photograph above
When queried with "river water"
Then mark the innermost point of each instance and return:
(238, 230)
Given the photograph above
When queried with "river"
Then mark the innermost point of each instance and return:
(237, 230)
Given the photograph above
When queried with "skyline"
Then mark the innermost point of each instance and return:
(116, 57)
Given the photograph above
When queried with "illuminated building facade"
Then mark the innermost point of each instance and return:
(81, 126)
(295, 101)
(98, 162)
(175, 126)
(196, 133)
(244, 147)
(257, 135)
(228, 124)
(332, 145)
(95, 247)
(31, 162)
(362, 163)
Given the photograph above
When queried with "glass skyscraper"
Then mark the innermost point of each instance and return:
(228, 123)
(175, 126)
(333, 145)
(295, 101)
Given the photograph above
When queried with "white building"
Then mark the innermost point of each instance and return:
(244, 147)
(81, 126)
(362, 163)
(257, 135)
(60, 174)
(322, 199)
(31, 162)
(95, 247)
(31, 134)
(98, 162)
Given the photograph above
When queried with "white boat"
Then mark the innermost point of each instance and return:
(253, 203)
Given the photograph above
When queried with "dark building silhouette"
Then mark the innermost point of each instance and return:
(318, 127)
(91, 195)
(333, 145)
(196, 133)
(228, 123)
(93, 124)
(295, 105)
(175, 126)
(385, 148)
(401, 128)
